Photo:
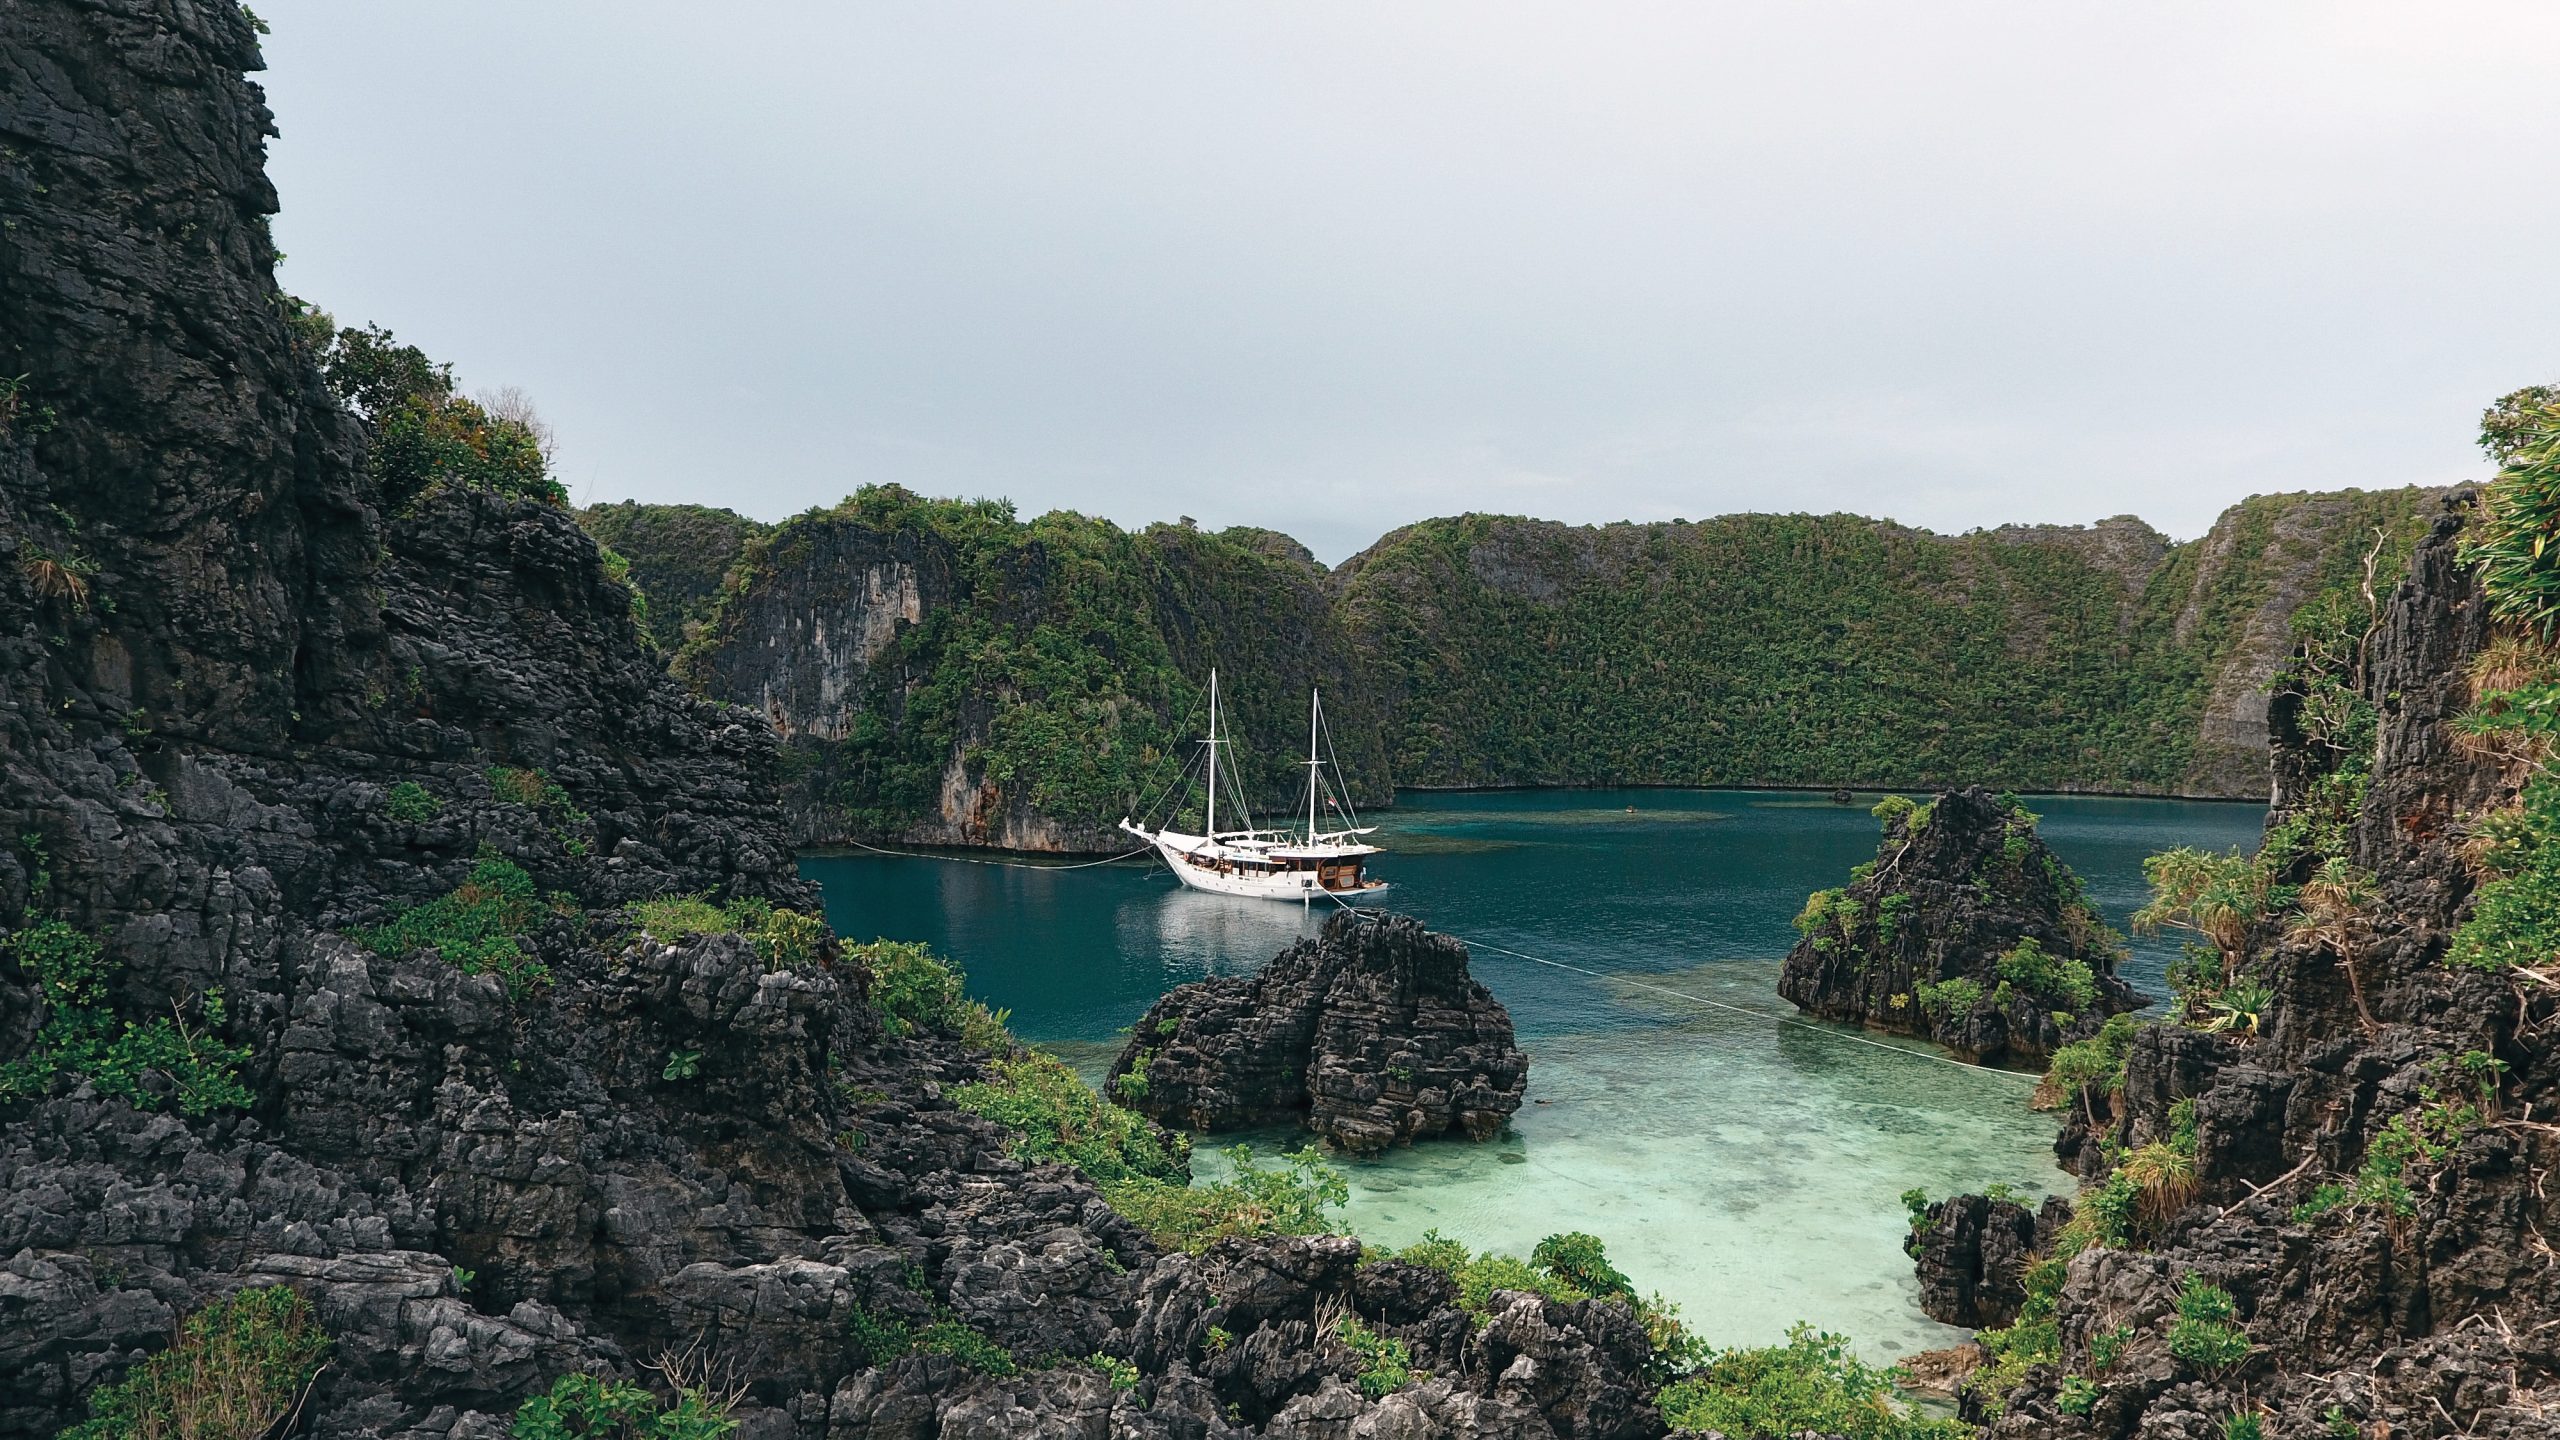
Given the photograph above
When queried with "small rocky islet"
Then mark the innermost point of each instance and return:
(412, 1023)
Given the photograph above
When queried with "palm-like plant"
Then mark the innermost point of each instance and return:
(2215, 896)
(2333, 904)
(2516, 540)
(2241, 1007)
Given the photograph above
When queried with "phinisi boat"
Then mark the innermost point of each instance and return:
(1263, 863)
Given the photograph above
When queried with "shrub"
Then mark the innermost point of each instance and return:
(1579, 1260)
(478, 929)
(883, 1338)
(1943, 998)
(546, 797)
(81, 1036)
(237, 1367)
(1256, 1202)
(784, 939)
(411, 803)
(2038, 971)
(2095, 1064)
(2078, 1395)
(1386, 1363)
(1811, 1383)
(915, 989)
(581, 1406)
(1122, 1374)
(1054, 1115)
(2203, 1334)
(2325, 1197)
(2518, 511)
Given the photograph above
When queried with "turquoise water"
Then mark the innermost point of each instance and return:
(1745, 1167)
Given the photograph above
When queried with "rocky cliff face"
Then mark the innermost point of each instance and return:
(1372, 1035)
(947, 674)
(2370, 1202)
(251, 708)
(1964, 929)
(1492, 650)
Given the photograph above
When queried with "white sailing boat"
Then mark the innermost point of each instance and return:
(1271, 864)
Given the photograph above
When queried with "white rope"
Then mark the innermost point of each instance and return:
(999, 864)
(1836, 1034)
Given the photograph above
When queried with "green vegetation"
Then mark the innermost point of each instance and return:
(1122, 1374)
(2515, 918)
(425, 436)
(2039, 972)
(478, 929)
(2204, 1334)
(784, 939)
(1386, 1363)
(411, 803)
(1058, 657)
(130, 1060)
(883, 1338)
(1810, 1384)
(588, 1407)
(675, 555)
(2094, 1066)
(1257, 1201)
(914, 989)
(1563, 1268)
(238, 1366)
(544, 796)
(1067, 666)
(1054, 1115)
(1945, 998)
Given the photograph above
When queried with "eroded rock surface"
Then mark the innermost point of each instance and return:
(1965, 929)
(2361, 1318)
(648, 1149)
(1373, 1035)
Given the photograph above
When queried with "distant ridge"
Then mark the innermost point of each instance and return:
(947, 672)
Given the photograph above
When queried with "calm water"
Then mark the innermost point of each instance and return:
(1746, 1168)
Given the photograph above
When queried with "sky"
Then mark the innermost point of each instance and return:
(1332, 268)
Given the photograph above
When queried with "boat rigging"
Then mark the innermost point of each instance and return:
(1266, 863)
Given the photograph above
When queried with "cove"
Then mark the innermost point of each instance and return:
(1747, 1165)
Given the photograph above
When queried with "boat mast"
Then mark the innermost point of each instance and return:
(1315, 776)
(1213, 755)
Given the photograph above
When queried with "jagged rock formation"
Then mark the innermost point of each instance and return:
(252, 704)
(1965, 929)
(1972, 1253)
(1495, 650)
(1372, 1035)
(2362, 1316)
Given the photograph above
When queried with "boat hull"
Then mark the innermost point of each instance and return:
(1297, 885)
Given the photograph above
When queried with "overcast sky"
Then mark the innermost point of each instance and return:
(1335, 267)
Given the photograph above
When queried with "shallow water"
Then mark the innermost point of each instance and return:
(1744, 1164)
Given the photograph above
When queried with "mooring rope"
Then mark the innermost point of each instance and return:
(999, 864)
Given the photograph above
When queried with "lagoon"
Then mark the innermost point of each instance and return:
(1736, 1157)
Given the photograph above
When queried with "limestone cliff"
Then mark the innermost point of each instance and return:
(2321, 1200)
(1371, 1035)
(331, 771)
(953, 674)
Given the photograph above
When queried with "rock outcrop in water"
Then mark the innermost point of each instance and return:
(1372, 1035)
(2335, 1221)
(1965, 929)
(254, 704)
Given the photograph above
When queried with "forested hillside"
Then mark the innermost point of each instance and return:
(949, 672)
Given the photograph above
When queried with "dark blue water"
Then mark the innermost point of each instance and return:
(1745, 1166)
